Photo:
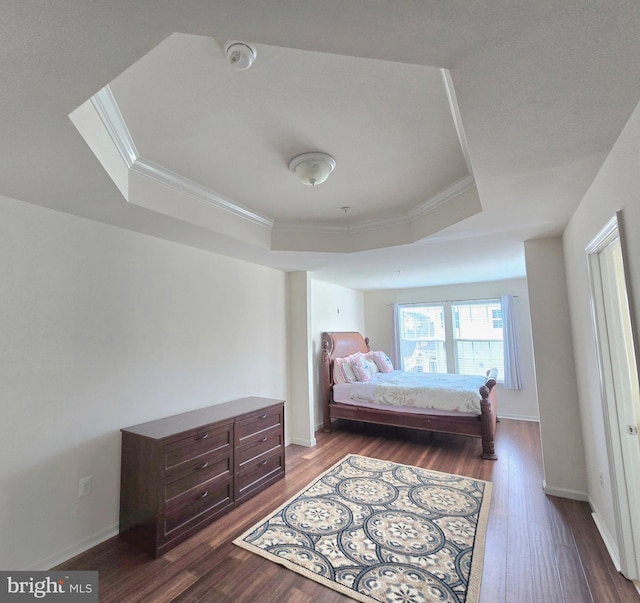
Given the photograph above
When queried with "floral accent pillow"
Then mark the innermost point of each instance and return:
(343, 371)
(373, 367)
(362, 368)
(382, 361)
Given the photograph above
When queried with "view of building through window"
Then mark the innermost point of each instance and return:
(451, 337)
(422, 339)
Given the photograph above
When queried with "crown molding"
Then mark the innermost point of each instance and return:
(107, 108)
(457, 188)
(317, 227)
(184, 186)
(380, 223)
(346, 229)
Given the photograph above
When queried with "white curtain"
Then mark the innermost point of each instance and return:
(512, 371)
(395, 339)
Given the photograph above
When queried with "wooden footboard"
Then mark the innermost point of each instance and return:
(340, 345)
(488, 419)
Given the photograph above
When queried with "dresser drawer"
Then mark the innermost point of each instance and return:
(209, 440)
(261, 444)
(259, 473)
(201, 505)
(248, 428)
(180, 486)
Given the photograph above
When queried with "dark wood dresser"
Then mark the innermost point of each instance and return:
(180, 473)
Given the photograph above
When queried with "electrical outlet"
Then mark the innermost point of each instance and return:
(84, 486)
(601, 480)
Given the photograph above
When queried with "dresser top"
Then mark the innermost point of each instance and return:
(186, 421)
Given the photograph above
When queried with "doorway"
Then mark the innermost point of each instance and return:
(619, 386)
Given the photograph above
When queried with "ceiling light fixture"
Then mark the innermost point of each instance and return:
(312, 168)
(240, 54)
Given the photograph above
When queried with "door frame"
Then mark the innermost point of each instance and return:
(621, 463)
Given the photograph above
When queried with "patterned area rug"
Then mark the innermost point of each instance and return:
(380, 531)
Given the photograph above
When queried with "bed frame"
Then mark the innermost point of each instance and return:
(341, 344)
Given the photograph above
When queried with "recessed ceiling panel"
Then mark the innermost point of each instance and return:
(388, 125)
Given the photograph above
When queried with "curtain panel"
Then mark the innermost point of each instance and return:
(512, 370)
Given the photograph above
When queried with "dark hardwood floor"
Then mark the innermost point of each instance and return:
(539, 548)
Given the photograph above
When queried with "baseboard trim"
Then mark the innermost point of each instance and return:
(609, 541)
(303, 442)
(564, 492)
(502, 415)
(75, 549)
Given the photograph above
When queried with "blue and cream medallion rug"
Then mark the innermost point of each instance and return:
(381, 531)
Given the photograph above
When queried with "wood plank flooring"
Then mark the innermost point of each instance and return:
(539, 548)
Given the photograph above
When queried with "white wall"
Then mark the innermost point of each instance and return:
(617, 187)
(520, 404)
(332, 308)
(562, 444)
(301, 415)
(103, 328)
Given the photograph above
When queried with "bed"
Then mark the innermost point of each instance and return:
(478, 423)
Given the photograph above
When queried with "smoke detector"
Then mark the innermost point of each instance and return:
(240, 54)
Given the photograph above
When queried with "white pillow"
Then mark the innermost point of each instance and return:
(343, 371)
(338, 375)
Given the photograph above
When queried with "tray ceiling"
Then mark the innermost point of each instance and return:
(224, 137)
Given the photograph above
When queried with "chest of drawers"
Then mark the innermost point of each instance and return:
(180, 473)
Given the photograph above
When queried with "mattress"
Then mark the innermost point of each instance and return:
(415, 392)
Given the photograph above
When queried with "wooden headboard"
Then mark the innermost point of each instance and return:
(337, 345)
(342, 344)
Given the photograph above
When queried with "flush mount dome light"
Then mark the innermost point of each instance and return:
(240, 54)
(312, 168)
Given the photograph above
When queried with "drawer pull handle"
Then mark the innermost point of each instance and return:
(201, 466)
(202, 436)
(264, 416)
(264, 439)
(204, 494)
(263, 462)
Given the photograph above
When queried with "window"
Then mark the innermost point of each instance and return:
(422, 339)
(477, 337)
(455, 337)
